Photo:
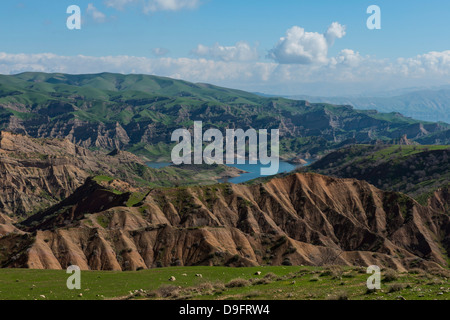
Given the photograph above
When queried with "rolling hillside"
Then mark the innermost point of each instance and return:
(138, 113)
(415, 170)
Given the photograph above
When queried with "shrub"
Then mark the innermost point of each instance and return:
(219, 286)
(290, 275)
(168, 291)
(262, 281)
(238, 283)
(287, 262)
(153, 294)
(390, 275)
(290, 250)
(396, 287)
(205, 287)
(435, 282)
(439, 272)
(270, 276)
(341, 296)
(416, 271)
(370, 291)
(253, 294)
(314, 278)
(348, 275)
(361, 270)
(334, 271)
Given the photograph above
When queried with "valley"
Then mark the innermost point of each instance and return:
(38, 173)
(82, 185)
(203, 158)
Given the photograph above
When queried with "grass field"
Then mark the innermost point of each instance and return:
(273, 283)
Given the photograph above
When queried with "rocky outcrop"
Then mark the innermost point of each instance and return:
(440, 200)
(37, 173)
(404, 141)
(6, 226)
(305, 219)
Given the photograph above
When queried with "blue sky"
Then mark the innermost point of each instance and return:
(236, 43)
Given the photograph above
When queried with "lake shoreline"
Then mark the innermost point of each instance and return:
(242, 173)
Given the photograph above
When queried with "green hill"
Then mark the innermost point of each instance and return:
(139, 113)
(414, 170)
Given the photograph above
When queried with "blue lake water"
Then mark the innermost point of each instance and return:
(158, 165)
(253, 171)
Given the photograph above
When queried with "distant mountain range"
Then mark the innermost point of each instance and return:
(423, 104)
(138, 113)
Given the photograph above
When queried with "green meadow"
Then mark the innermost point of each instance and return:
(222, 283)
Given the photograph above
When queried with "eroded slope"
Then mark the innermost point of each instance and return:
(304, 219)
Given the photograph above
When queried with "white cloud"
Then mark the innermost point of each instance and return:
(347, 73)
(301, 47)
(154, 5)
(119, 4)
(335, 31)
(347, 57)
(435, 62)
(201, 70)
(241, 51)
(160, 52)
(170, 5)
(95, 14)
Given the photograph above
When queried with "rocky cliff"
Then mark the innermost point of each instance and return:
(304, 219)
(440, 200)
(38, 173)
